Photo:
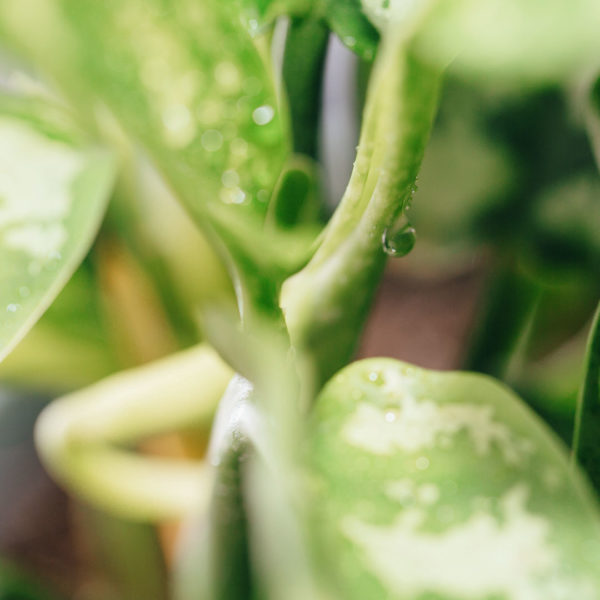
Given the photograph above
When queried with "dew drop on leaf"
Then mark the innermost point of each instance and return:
(263, 114)
(211, 140)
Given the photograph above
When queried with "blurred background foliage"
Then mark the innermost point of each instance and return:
(507, 215)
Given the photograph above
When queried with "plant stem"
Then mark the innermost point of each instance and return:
(303, 65)
(326, 303)
(75, 436)
(586, 449)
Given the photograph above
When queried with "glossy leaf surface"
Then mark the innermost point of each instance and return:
(517, 40)
(53, 192)
(186, 80)
(444, 485)
(348, 20)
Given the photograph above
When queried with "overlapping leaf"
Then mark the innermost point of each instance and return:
(187, 81)
(53, 192)
(444, 485)
(519, 40)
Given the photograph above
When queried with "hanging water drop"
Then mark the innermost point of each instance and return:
(399, 239)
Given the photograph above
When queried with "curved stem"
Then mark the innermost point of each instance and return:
(326, 303)
(74, 436)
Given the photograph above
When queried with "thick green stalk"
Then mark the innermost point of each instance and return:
(586, 446)
(326, 303)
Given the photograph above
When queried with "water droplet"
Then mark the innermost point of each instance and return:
(350, 41)
(233, 195)
(211, 140)
(399, 239)
(422, 463)
(390, 416)
(429, 493)
(179, 127)
(13, 308)
(176, 117)
(263, 114)
(375, 377)
(230, 178)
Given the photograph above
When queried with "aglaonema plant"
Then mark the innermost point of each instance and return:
(322, 479)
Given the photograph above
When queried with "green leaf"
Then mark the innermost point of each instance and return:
(15, 585)
(592, 113)
(444, 485)
(68, 347)
(53, 192)
(259, 14)
(517, 40)
(587, 424)
(187, 81)
(347, 19)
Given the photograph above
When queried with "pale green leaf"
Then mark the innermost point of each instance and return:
(444, 485)
(53, 192)
(516, 40)
(185, 80)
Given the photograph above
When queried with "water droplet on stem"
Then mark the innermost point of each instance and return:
(399, 239)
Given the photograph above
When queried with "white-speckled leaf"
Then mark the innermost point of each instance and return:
(52, 198)
(540, 40)
(444, 486)
(185, 80)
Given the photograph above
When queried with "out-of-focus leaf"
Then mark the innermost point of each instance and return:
(566, 225)
(587, 425)
(187, 81)
(264, 419)
(303, 65)
(68, 347)
(517, 40)
(348, 20)
(592, 111)
(84, 438)
(127, 554)
(260, 13)
(14, 585)
(431, 484)
(53, 192)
